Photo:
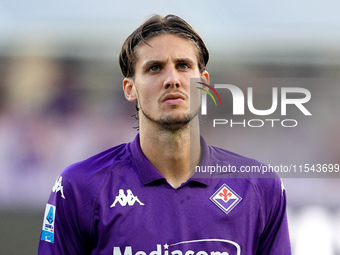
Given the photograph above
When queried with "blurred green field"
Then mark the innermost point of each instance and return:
(20, 231)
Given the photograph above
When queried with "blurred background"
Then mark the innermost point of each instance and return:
(61, 98)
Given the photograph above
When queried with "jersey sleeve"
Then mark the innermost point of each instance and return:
(66, 223)
(274, 239)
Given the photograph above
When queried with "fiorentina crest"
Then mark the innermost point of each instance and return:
(225, 198)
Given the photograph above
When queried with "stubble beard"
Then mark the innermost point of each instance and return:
(170, 123)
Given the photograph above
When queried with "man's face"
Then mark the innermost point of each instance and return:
(161, 83)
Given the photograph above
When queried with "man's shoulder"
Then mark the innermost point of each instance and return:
(93, 170)
(81, 183)
(226, 156)
(255, 172)
(102, 160)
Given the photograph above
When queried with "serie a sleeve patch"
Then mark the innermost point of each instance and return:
(47, 233)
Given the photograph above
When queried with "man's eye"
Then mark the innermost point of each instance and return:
(154, 69)
(183, 66)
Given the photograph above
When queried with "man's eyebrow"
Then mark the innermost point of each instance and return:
(152, 63)
(160, 62)
(185, 60)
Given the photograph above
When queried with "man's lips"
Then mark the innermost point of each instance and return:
(173, 99)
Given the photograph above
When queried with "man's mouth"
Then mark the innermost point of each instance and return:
(173, 99)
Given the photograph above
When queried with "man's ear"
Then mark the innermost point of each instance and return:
(205, 77)
(205, 80)
(129, 89)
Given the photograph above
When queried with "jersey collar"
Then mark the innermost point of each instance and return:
(149, 174)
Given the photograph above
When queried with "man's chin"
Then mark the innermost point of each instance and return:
(172, 122)
(174, 125)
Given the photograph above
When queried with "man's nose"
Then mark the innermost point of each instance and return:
(172, 78)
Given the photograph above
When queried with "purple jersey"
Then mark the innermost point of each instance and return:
(117, 203)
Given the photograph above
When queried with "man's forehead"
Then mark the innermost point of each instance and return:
(161, 47)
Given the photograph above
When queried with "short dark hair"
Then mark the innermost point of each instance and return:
(156, 25)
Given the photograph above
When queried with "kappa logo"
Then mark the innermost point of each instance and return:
(58, 187)
(282, 188)
(225, 198)
(128, 199)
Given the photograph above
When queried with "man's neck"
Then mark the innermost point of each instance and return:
(173, 153)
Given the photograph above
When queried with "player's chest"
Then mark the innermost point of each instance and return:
(187, 221)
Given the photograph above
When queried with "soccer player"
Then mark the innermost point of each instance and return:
(144, 197)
